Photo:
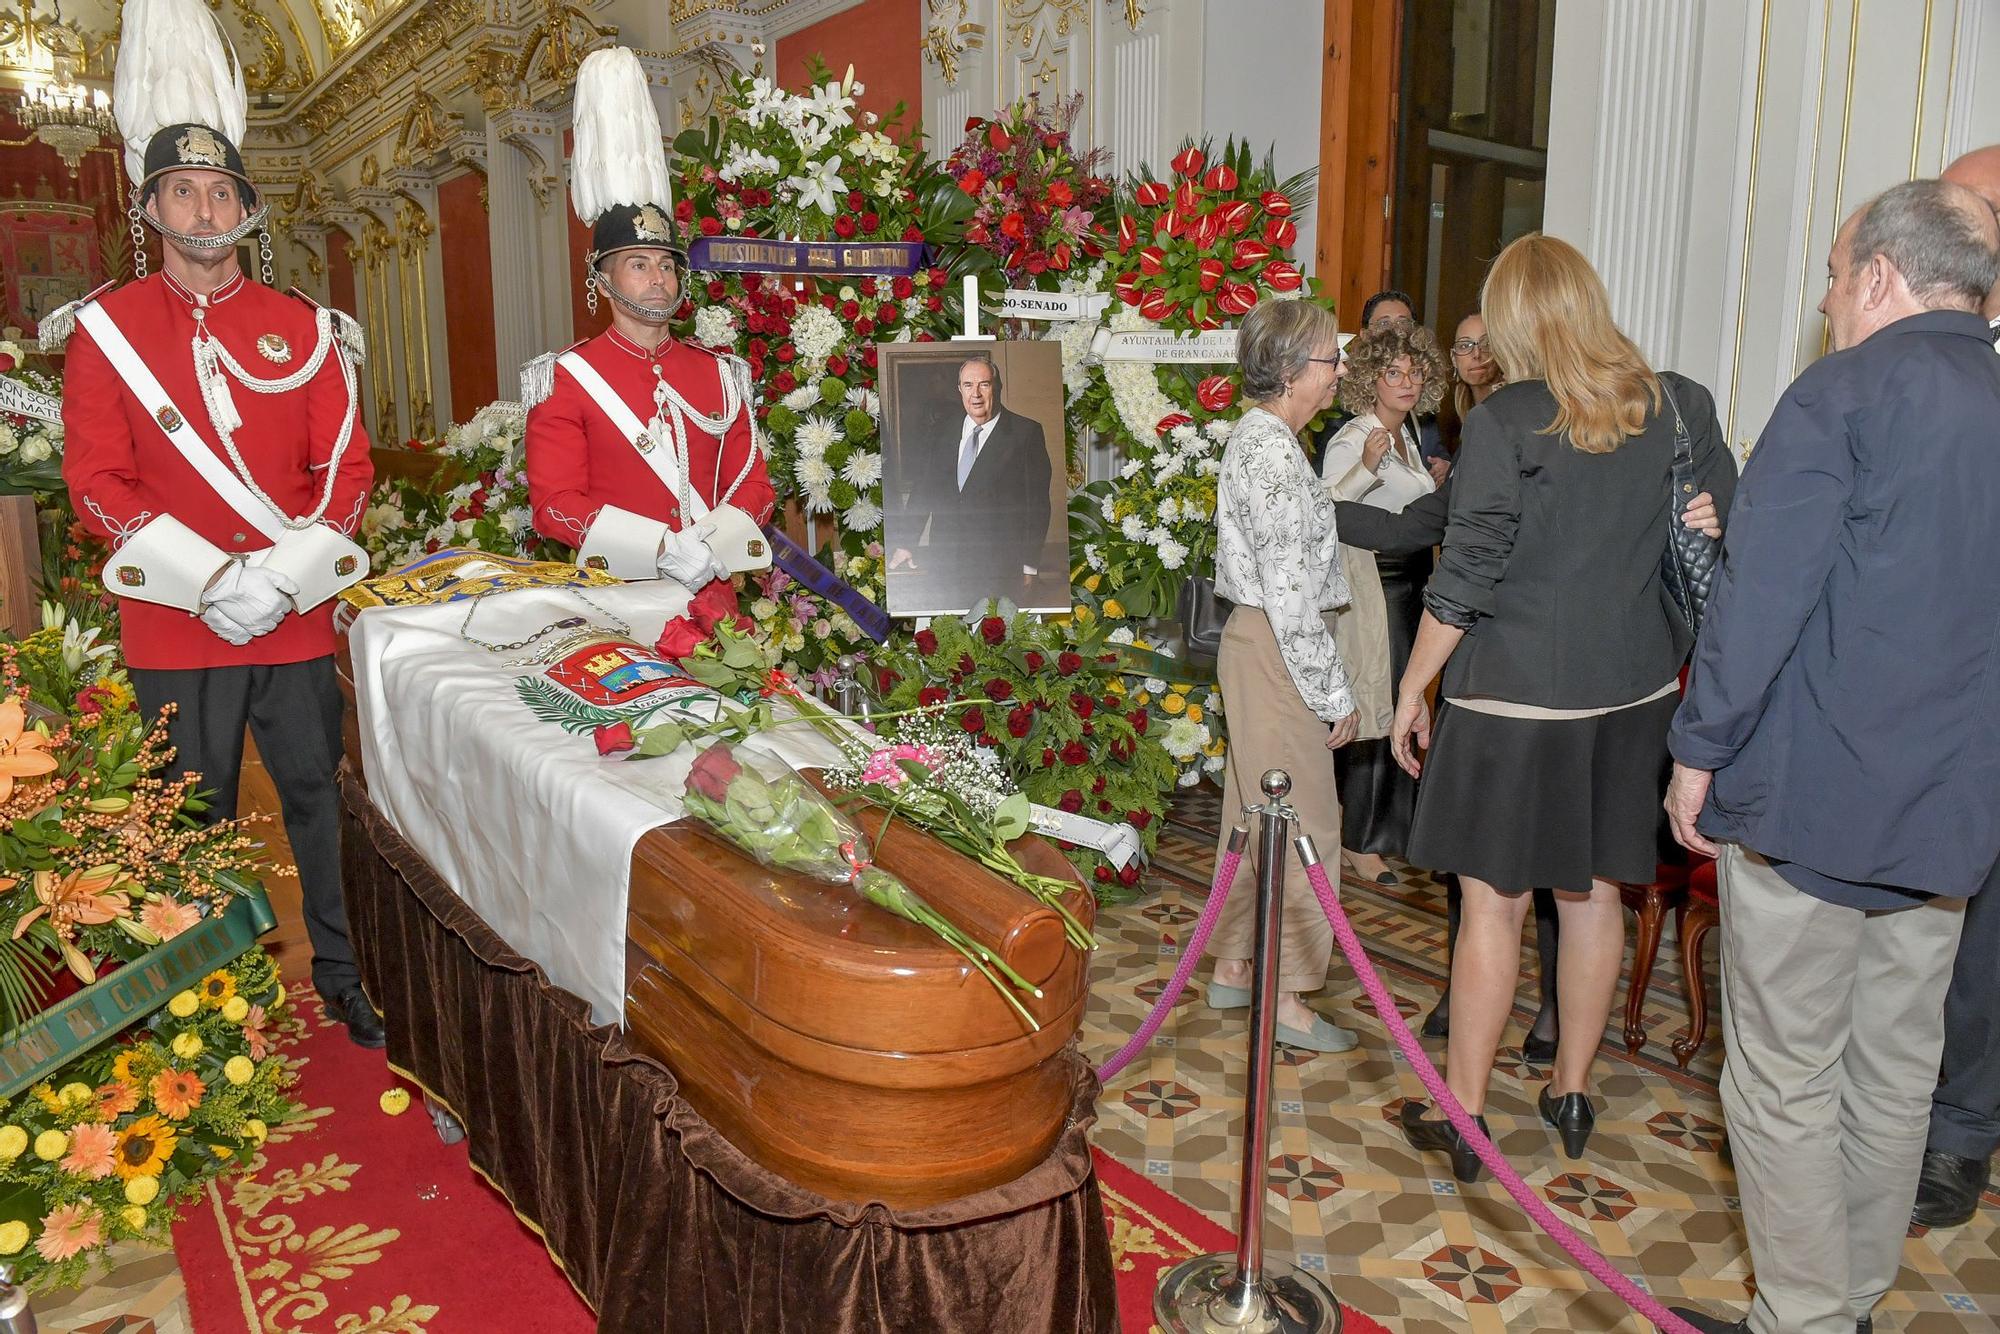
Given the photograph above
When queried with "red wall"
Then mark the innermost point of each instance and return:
(340, 274)
(882, 39)
(467, 253)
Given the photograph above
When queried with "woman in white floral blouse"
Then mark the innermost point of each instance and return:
(1291, 700)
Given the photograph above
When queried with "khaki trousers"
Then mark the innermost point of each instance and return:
(1833, 1020)
(1271, 728)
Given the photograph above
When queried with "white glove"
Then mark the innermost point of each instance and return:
(252, 596)
(689, 561)
(217, 620)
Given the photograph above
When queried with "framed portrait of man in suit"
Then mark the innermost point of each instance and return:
(974, 476)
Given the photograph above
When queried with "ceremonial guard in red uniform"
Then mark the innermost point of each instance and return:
(642, 451)
(211, 435)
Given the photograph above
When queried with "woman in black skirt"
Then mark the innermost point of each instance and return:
(1376, 458)
(1561, 653)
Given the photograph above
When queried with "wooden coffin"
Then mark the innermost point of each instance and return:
(836, 1044)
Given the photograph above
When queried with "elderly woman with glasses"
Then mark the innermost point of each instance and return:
(1394, 373)
(1291, 699)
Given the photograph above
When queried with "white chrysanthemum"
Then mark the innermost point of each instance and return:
(863, 468)
(1219, 429)
(816, 332)
(1155, 685)
(1108, 508)
(818, 501)
(1133, 529)
(866, 399)
(1183, 740)
(813, 472)
(715, 326)
(1213, 764)
(514, 522)
(863, 516)
(816, 435)
(1181, 435)
(1092, 556)
(1167, 468)
(1131, 468)
(1172, 554)
(801, 398)
(1122, 635)
(1208, 467)
(1170, 510)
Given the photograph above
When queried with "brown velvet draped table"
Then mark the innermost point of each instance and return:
(660, 1223)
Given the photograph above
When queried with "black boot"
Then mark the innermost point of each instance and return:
(364, 1026)
(1949, 1188)
(1570, 1116)
(1441, 1135)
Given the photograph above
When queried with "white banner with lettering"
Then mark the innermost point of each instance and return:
(19, 400)
(1026, 304)
(1217, 345)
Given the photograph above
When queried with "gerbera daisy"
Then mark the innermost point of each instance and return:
(178, 1092)
(166, 918)
(90, 1150)
(115, 1099)
(144, 1147)
(68, 1231)
(216, 988)
(255, 1033)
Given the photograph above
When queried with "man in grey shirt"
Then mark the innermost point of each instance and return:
(1840, 741)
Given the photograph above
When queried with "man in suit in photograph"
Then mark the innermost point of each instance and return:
(980, 502)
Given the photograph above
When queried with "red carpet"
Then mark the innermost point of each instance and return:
(359, 1220)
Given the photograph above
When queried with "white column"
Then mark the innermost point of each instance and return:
(530, 256)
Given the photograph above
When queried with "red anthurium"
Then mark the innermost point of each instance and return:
(1249, 254)
(1280, 232)
(1126, 287)
(998, 138)
(1151, 194)
(1275, 204)
(1219, 177)
(1170, 421)
(1188, 198)
(1206, 231)
(1236, 298)
(1237, 215)
(1282, 277)
(1211, 274)
(1158, 307)
(1216, 393)
(1152, 260)
(1060, 257)
(1189, 162)
(1168, 223)
(1128, 233)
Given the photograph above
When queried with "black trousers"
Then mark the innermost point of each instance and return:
(293, 710)
(1965, 1110)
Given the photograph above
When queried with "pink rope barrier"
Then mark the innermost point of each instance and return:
(1545, 1218)
(1197, 944)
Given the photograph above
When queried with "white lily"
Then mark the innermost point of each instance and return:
(830, 102)
(820, 185)
(81, 646)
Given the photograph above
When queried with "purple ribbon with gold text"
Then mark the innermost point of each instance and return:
(796, 561)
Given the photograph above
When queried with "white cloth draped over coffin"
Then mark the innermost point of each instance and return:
(525, 822)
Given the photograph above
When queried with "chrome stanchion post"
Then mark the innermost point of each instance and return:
(16, 1316)
(1247, 1291)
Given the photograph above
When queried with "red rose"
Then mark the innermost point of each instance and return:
(1126, 287)
(1219, 177)
(710, 226)
(713, 771)
(1090, 729)
(999, 690)
(684, 211)
(1189, 161)
(850, 310)
(1211, 274)
(864, 327)
(1104, 808)
(1152, 260)
(930, 695)
(678, 638)
(1139, 720)
(1249, 254)
(786, 353)
(1097, 786)
(1281, 276)
(1071, 801)
(855, 199)
(716, 291)
(844, 227)
(784, 382)
(1128, 233)
(1048, 758)
(973, 720)
(1187, 199)
(1075, 753)
(1139, 819)
(1083, 704)
(1068, 663)
(885, 680)
(1280, 232)
(836, 364)
(1103, 875)
(1151, 194)
(1034, 661)
(613, 738)
(993, 630)
(1157, 307)
(868, 355)
(1122, 750)
(887, 312)
(1130, 875)
(913, 233)
(927, 642)
(1020, 721)
(1170, 421)
(1216, 393)
(1275, 204)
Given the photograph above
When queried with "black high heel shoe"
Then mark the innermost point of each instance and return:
(1538, 1051)
(1441, 1135)
(1572, 1118)
(1437, 1024)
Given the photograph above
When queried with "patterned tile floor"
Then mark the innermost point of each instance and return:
(1394, 1234)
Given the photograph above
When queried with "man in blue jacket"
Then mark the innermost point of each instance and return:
(1840, 741)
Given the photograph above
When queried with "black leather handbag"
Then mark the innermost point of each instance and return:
(1688, 564)
(1202, 613)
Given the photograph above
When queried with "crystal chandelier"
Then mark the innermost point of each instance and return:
(61, 112)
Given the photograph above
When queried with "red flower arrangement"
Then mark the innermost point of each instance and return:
(1039, 203)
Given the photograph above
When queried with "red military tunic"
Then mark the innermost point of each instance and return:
(579, 462)
(123, 471)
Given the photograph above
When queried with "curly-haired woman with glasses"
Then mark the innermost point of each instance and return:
(1394, 373)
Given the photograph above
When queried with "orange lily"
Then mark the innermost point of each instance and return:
(21, 750)
(81, 898)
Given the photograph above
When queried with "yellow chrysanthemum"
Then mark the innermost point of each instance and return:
(144, 1148)
(142, 1190)
(135, 1217)
(187, 1046)
(239, 1070)
(13, 1143)
(1115, 686)
(396, 1101)
(51, 1145)
(1141, 698)
(236, 1009)
(74, 1095)
(183, 1004)
(13, 1237)
(216, 988)
(256, 1129)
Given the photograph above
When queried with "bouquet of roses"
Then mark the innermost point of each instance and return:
(1040, 203)
(760, 805)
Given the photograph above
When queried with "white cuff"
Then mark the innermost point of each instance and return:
(166, 562)
(734, 538)
(321, 560)
(623, 544)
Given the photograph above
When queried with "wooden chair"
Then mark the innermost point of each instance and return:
(1651, 903)
(1701, 915)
